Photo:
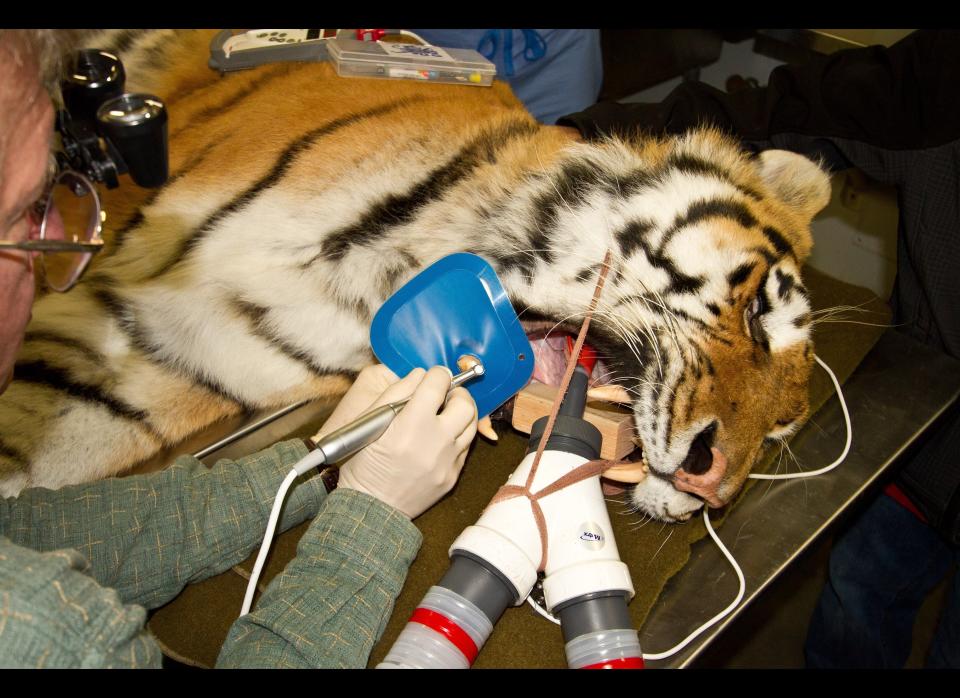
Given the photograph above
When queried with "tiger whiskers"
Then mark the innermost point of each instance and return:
(624, 506)
(611, 245)
(660, 300)
(776, 470)
(671, 321)
(791, 456)
(785, 456)
(628, 316)
(835, 314)
(665, 540)
(615, 324)
(647, 518)
(637, 381)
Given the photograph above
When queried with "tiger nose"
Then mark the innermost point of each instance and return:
(699, 457)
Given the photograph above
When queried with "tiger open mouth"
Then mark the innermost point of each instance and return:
(700, 475)
(550, 344)
(551, 353)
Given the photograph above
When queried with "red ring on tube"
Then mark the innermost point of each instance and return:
(623, 663)
(450, 630)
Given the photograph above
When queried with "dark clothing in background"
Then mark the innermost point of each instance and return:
(881, 571)
(894, 113)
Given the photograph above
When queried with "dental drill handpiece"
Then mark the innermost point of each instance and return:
(363, 431)
(335, 447)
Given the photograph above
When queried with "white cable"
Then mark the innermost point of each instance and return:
(311, 460)
(706, 519)
(846, 448)
(542, 611)
(720, 616)
(267, 540)
(315, 458)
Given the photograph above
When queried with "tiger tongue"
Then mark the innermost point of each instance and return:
(610, 488)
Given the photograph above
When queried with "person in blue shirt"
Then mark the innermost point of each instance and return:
(552, 71)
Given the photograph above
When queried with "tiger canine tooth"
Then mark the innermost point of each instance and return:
(627, 472)
(609, 393)
(485, 428)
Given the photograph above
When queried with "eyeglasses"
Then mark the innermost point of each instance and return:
(70, 220)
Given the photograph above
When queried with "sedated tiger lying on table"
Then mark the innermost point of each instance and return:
(299, 201)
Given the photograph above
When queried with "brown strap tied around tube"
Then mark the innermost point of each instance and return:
(587, 470)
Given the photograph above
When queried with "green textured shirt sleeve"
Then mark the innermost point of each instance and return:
(54, 615)
(332, 602)
(90, 553)
(148, 536)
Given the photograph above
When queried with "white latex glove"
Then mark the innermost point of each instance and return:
(420, 455)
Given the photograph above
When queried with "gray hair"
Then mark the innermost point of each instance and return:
(42, 50)
(30, 59)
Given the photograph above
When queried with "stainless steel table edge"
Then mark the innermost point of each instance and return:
(661, 622)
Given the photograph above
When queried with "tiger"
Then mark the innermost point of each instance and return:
(299, 201)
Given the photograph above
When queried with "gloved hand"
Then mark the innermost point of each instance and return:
(419, 457)
(369, 385)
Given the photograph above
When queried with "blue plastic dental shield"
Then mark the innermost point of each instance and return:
(454, 307)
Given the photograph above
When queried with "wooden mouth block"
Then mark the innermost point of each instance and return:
(614, 422)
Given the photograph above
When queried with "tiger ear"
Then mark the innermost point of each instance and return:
(796, 180)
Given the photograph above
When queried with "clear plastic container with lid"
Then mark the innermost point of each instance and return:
(398, 61)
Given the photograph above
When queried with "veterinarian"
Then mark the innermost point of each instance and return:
(80, 566)
(893, 113)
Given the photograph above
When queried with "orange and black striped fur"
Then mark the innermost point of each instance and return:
(299, 201)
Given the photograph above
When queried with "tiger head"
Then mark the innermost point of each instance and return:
(704, 319)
